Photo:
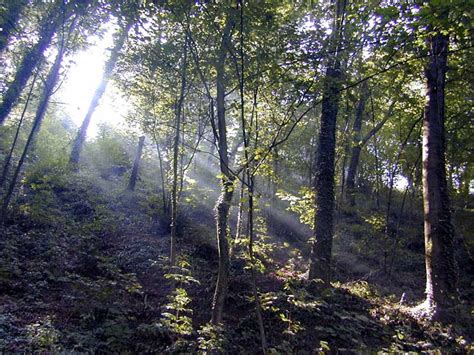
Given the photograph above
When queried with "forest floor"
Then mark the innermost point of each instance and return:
(105, 287)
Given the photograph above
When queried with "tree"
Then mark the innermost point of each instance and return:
(441, 276)
(324, 179)
(227, 189)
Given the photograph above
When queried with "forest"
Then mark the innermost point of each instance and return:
(236, 176)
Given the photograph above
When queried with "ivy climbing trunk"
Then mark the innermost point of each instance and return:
(321, 251)
(441, 272)
(99, 92)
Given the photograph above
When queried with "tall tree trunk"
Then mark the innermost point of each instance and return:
(32, 57)
(174, 186)
(356, 145)
(321, 251)
(99, 92)
(441, 272)
(223, 202)
(9, 19)
(136, 165)
(49, 85)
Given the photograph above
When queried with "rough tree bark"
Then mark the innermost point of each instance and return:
(321, 251)
(109, 67)
(32, 57)
(441, 271)
(223, 202)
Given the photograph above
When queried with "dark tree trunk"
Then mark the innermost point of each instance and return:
(324, 180)
(321, 251)
(136, 165)
(109, 67)
(223, 202)
(441, 271)
(9, 19)
(31, 59)
(49, 85)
